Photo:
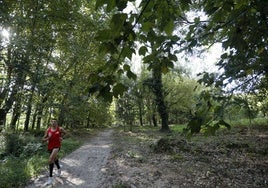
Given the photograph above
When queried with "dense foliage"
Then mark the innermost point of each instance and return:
(48, 62)
(241, 27)
(61, 56)
(160, 27)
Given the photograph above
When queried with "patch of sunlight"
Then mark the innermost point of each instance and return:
(105, 146)
(72, 180)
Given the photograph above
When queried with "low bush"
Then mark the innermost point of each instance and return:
(20, 144)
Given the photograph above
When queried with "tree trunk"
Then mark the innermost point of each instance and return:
(88, 120)
(140, 116)
(15, 115)
(29, 109)
(158, 92)
(2, 119)
(38, 123)
(34, 119)
(27, 119)
(154, 120)
(62, 113)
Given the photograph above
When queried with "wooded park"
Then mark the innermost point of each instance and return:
(147, 69)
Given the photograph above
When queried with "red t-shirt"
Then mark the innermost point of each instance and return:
(54, 138)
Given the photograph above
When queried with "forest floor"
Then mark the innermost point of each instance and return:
(148, 158)
(235, 158)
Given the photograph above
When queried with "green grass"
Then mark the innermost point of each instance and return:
(248, 122)
(177, 128)
(13, 172)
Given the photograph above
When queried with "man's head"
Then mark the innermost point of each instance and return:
(54, 122)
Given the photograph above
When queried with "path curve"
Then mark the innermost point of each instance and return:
(85, 167)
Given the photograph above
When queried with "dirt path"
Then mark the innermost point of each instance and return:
(85, 167)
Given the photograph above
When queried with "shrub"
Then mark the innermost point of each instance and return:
(21, 144)
(12, 144)
(13, 172)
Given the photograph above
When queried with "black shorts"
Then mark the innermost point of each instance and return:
(50, 151)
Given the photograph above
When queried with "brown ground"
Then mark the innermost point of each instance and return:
(236, 158)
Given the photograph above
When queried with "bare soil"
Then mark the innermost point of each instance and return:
(148, 158)
(236, 158)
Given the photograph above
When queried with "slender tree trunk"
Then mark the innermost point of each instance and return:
(28, 112)
(29, 109)
(2, 119)
(140, 115)
(62, 110)
(9, 102)
(39, 113)
(34, 119)
(154, 120)
(38, 123)
(150, 121)
(15, 115)
(27, 119)
(140, 106)
(88, 120)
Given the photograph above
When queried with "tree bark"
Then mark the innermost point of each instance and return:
(15, 115)
(158, 92)
(29, 109)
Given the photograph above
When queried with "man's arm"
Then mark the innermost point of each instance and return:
(63, 132)
(45, 137)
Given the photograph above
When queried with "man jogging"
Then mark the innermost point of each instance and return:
(53, 135)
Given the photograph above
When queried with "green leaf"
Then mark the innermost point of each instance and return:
(211, 129)
(121, 4)
(106, 94)
(193, 43)
(118, 21)
(127, 52)
(111, 4)
(227, 125)
(131, 75)
(173, 58)
(100, 3)
(108, 47)
(195, 125)
(218, 110)
(166, 65)
(143, 50)
(126, 67)
(132, 36)
(185, 4)
(104, 35)
(120, 72)
(147, 26)
(169, 27)
(119, 89)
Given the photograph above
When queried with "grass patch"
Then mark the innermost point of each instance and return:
(177, 128)
(69, 145)
(248, 122)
